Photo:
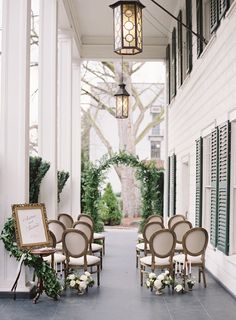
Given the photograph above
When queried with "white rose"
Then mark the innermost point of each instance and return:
(71, 277)
(83, 285)
(160, 277)
(158, 284)
(83, 277)
(167, 272)
(178, 288)
(152, 275)
(148, 283)
(72, 283)
(88, 274)
(77, 281)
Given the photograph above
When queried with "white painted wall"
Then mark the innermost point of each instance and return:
(207, 96)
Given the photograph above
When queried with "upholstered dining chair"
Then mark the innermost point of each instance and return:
(56, 258)
(194, 246)
(75, 246)
(57, 227)
(148, 230)
(87, 229)
(66, 219)
(180, 228)
(97, 236)
(162, 248)
(174, 219)
(152, 218)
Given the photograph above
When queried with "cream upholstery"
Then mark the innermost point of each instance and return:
(162, 245)
(57, 228)
(180, 228)
(148, 231)
(194, 246)
(155, 218)
(174, 219)
(75, 245)
(66, 219)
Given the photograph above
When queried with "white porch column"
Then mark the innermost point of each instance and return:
(65, 116)
(47, 128)
(14, 123)
(76, 139)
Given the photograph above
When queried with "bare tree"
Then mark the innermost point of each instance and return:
(99, 81)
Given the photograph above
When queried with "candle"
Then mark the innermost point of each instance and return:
(190, 269)
(176, 267)
(186, 268)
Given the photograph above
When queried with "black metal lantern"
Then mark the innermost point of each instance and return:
(128, 34)
(122, 102)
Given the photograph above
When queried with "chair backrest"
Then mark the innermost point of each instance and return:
(174, 219)
(162, 244)
(86, 218)
(180, 228)
(85, 228)
(66, 219)
(149, 229)
(195, 241)
(57, 227)
(52, 239)
(155, 218)
(75, 243)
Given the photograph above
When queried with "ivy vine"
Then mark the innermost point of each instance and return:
(52, 286)
(151, 179)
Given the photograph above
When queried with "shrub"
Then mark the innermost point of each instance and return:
(109, 208)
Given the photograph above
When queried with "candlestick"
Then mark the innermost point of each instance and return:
(186, 268)
(190, 268)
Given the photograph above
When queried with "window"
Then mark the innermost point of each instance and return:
(233, 190)
(180, 49)
(188, 6)
(155, 150)
(218, 9)
(173, 64)
(168, 74)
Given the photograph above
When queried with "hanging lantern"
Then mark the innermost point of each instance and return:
(122, 102)
(127, 20)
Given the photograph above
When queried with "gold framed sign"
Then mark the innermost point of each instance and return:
(31, 225)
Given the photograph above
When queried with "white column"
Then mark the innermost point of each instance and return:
(65, 115)
(47, 128)
(76, 139)
(14, 123)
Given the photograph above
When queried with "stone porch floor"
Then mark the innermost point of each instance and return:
(121, 297)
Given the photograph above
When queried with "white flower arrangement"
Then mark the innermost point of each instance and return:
(80, 282)
(157, 283)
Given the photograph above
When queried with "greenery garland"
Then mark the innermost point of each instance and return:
(42, 269)
(151, 178)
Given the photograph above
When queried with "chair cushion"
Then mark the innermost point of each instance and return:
(178, 246)
(98, 236)
(59, 246)
(180, 258)
(58, 258)
(158, 261)
(96, 247)
(140, 246)
(140, 237)
(91, 260)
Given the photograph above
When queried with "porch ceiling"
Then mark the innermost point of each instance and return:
(91, 21)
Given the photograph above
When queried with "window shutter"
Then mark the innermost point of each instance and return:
(173, 64)
(214, 15)
(180, 50)
(214, 186)
(199, 26)
(168, 74)
(189, 35)
(198, 206)
(168, 213)
(172, 185)
(223, 6)
(224, 187)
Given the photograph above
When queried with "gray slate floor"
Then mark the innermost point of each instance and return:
(121, 297)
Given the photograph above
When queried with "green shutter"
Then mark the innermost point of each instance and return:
(224, 188)
(198, 205)
(173, 64)
(168, 213)
(188, 4)
(180, 50)
(168, 74)
(214, 15)
(214, 186)
(199, 26)
(223, 6)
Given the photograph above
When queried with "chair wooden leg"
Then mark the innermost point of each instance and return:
(101, 258)
(137, 256)
(103, 246)
(142, 269)
(204, 276)
(98, 275)
(199, 275)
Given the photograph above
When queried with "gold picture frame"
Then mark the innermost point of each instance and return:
(31, 225)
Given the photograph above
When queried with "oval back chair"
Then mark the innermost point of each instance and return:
(57, 227)
(174, 219)
(66, 219)
(155, 218)
(180, 228)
